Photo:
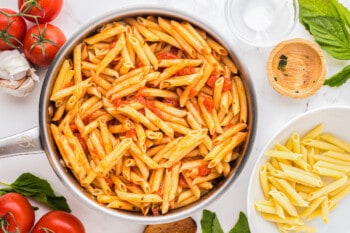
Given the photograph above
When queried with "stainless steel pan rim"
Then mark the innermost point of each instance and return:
(54, 158)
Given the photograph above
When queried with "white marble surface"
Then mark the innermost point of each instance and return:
(274, 111)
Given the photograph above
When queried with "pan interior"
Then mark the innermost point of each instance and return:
(64, 173)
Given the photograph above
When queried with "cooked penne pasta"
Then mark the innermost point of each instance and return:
(138, 197)
(62, 79)
(105, 34)
(216, 47)
(136, 120)
(111, 54)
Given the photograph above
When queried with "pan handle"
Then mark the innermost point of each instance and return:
(27, 142)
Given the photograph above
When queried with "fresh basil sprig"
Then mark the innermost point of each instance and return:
(211, 224)
(242, 225)
(39, 189)
(339, 78)
(329, 23)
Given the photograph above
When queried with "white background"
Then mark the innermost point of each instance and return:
(274, 111)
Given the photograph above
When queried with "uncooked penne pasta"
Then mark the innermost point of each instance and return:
(323, 145)
(265, 207)
(282, 200)
(306, 177)
(336, 141)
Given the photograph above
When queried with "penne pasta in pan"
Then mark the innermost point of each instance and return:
(150, 113)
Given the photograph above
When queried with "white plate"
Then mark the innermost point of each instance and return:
(336, 121)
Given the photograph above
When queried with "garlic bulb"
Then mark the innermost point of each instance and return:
(16, 75)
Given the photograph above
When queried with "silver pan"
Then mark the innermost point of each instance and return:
(39, 140)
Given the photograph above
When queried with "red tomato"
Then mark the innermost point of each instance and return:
(203, 170)
(41, 44)
(208, 103)
(58, 221)
(12, 29)
(46, 10)
(150, 105)
(227, 84)
(141, 99)
(16, 213)
(81, 140)
(88, 118)
(186, 71)
(212, 79)
(166, 55)
(130, 133)
(193, 92)
(171, 101)
(182, 182)
(119, 102)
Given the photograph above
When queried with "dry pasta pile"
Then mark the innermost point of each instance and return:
(149, 113)
(304, 179)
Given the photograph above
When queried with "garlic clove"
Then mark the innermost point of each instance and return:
(31, 73)
(18, 88)
(11, 84)
(16, 75)
(4, 74)
(14, 66)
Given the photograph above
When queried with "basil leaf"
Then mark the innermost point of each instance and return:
(39, 189)
(312, 8)
(52, 201)
(331, 34)
(216, 226)
(28, 184)
(210, 223)
(242, 225)
(339, 78)
(344, 14)
(207, 221)
(329, 23)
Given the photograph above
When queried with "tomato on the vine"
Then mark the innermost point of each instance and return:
(12, 29)
(16, 213)
(45, 10)
(41, 44)
(57, 221)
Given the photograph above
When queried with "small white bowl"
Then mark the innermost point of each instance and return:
(261, 22)
(336, 121)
